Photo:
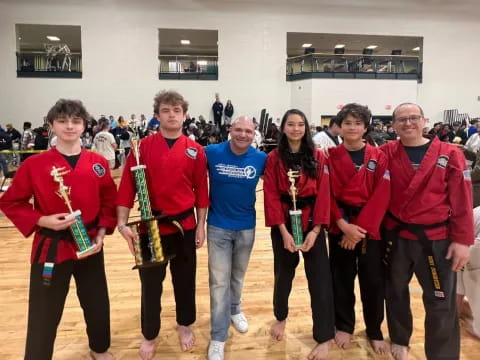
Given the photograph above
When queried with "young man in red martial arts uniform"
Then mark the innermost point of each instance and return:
(360, 188)
(93, 192)
(428, 230)
(176, 172)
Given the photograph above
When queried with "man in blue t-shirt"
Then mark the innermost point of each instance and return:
(234, 168)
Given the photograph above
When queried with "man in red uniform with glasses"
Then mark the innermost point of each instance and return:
(428, 230)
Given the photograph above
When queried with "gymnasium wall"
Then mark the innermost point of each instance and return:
(120, 66)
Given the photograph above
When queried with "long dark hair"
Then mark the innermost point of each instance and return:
(305, 156)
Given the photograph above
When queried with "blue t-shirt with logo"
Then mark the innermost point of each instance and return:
(233, 181)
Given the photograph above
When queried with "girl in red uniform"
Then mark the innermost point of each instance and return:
(296, 152)
(93, 192)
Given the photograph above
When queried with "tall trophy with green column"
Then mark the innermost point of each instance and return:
(147, 244)
(295, 214)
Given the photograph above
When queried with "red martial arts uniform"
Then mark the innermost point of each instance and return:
(176, 178)
(430, 208)
(368, 188)
(313, 196)
(277, 184)
(439, 190)
(360, 197)
(91, 191)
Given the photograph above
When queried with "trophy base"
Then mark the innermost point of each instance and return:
(86, 252)
(149, 264)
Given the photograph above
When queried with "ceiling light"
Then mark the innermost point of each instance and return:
(53, 38)
(416, 48)
(306, 45)
(339, 46)
(371, 47)
(185, 42)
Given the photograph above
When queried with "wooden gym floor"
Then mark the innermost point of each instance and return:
(124, 288)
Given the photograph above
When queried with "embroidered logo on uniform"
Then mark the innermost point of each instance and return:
(99, 169)
(386, 175)
(442, 161)
(371, 165)
(191, 153)
(325, 169)
(466, 175)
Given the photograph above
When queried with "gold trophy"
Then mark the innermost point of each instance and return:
(295, 215)
(147, 244)
(78, 229)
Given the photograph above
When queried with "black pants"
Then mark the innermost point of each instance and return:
(183, 269)
(345, 265)
(442, 336)
(319, 280)
(46, 303)
(217, 119)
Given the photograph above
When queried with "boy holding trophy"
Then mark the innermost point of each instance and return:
(297, 205)
(73, 210)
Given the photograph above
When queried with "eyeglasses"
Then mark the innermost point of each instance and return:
(411, 118)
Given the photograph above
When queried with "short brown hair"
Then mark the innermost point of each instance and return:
(65, 107)
(169, 97)
(358, 111)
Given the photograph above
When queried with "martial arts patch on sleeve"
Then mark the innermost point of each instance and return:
(442, 161)
(325, 169)
(386, 176)
(371, 165)
(99, 170)
(466, 175)
(191, 153)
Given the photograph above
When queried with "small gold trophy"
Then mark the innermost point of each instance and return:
(295, 215)
(78, 229)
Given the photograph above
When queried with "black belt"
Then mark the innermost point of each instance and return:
(56, 236)
(349, 210)
(301, 202)
(170, 218)
(419, 231)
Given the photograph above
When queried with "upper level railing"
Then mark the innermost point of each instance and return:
(188, 67)
(354, 66)
(41, 64)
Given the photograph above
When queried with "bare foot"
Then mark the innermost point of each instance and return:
(147, 349)
(399, 352)
(319, 352)
(380, 347)
(342, 339)
(101, 356)
(278, 329)
(186, 336)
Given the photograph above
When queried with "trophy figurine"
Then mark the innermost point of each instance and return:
(78, 229)
(295, 215)
(147, 245)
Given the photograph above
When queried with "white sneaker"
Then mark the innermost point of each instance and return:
(215, 350)
(240, 322)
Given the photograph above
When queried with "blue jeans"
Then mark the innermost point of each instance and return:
(228, 256)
